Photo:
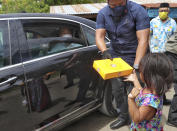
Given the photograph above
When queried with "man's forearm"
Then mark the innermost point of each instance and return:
(100, 36)
(143, 40)
(140, 52)
(101, 45)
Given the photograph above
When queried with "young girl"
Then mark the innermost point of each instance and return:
(145, 104)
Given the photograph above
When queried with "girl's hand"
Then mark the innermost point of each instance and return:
(134, 93)
(132, 77)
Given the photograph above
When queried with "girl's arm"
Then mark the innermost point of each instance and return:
(133, 78)
(140, 114)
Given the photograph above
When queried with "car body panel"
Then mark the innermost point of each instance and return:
(12, 81)
(37, 74)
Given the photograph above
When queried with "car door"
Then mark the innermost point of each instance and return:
(13, 113)
(58, 77)
(89, 33)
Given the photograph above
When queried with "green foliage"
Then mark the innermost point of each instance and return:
(30, 6)
(37, 6)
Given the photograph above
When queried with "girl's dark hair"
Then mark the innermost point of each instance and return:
(157, 72)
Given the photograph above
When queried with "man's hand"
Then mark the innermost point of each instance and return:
(107, 55)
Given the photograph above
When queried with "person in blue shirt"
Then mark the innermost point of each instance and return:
(162, 28)
(127, 25)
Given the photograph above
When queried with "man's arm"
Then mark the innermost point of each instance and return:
(143, 40)
(142, 22)
(100, 36)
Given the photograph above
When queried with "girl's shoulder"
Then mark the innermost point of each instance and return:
(149, 99)
(148, 92)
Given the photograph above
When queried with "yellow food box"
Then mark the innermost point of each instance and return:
(112, 68)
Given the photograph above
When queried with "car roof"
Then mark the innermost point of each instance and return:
(26, 15)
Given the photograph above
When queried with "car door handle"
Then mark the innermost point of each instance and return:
(8, 81)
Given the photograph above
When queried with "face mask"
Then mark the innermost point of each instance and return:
(163, 15)
(67, 35)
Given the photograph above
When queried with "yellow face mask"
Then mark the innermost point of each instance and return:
(163, 15)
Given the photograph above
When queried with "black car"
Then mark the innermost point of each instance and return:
(47, 80)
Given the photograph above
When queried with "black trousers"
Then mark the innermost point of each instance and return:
(120, 91)
(172, 116)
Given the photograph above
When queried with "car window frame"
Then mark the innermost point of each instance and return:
(107, 41)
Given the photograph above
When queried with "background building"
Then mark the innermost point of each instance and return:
(90, 10)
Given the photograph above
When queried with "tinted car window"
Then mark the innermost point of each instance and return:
(45, 37)
(4, 44)
(90, 34)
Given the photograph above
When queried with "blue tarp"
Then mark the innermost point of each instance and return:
(154, 12)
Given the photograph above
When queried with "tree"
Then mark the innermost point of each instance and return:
(16, 6)
(36, 6)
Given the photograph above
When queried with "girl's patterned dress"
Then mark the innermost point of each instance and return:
(155, 123)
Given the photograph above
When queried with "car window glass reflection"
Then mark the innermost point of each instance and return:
(46, 38)
(66, 33)
(4, 45)
(1, 50)
(90, 34)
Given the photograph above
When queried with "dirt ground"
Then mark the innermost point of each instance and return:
(98, 122)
